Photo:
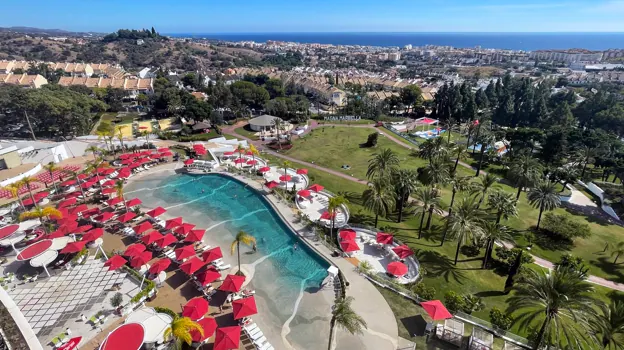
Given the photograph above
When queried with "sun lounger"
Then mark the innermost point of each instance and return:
(250, 327)
(256, 334)
(265, 346)
(260, 341)
(224, 267)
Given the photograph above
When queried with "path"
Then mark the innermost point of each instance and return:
(538, 261)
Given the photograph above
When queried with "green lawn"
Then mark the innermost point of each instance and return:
(247, 132)
(352, 122)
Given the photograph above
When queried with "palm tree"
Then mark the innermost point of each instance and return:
(428, 199)
(14, 190)
(493, 232)
(524, 171)
(244, 238)
(285, 165)
(465, 222)
(74, 174)
(51, 168)
(254, 151)
(484, 186)
(485, 140)
(458, 185)
(436, 173)
(181, 331)
(40, 213)
(344, 316)
(559, 302)
(120, 135)
(383, 164)
(378, 198)
(119, 189)
(94, 150)
(405, 182)
(461, 153)
(503, 204)
(608, 327)
(93, 166)
(28, 181)
(433, 149)
(278, 124)
(545, 197)
(617, 250)
(103, 135)
(240, 149)
(145, 134)
(333, 205)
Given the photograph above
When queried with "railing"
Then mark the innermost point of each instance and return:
(402, 135)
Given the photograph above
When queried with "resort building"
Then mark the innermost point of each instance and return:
(135, 86)
(24, 80)
(264, 122)
(73, 69)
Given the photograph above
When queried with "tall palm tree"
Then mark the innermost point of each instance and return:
(120, 135)
(524, 171)
(240, 149)
(608, 326)
(119, 189)
(503, 204)
(51, 168)
(559, 302)
(427, 198)
(244, 238)
(74, 175)
(285, 165)
(493, 232)
(378, 198)
(466, 222)
(485, 140)
(458, 185)
(545, 197)
(28, 181)
(344, 316)
(278, 124)
(483, 187)
(333, 205)
(436, 173)
(383, 164)
(405, 182)
(93, 166)
(94, 150)
(103, 135)
(181, 331)
(41, 213)
(617, 250)
(461, 153)
(433, 149)
(14, 190)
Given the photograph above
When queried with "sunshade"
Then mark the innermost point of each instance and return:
(227, 338)
(171, 223)
(93, 235)
(66, 203)
(159, 266)
(8, 230)
(114, 201)
(195, 236)
(134, 249)
(327, 215)
(232, 283)
(195, 309)
(316, 188)
(108, 183)
(142, 227)
(68, 183)
(208, 276)
(403, 251)
(192, 265)
(264, 169)
(66, 219)
(127, 216)
(347, 234)
(271, 184)
(304, 193)
(73, 247)
(397, 268)
(133, 202)
(109, 191)
(68, 227)
(83, 228)
(436, 310)
(185, 252)
(115, 262)
(212, 254)
(151, 237)
(244, 307)
(209, 325)
(302, 171)
(166, 240)
(252, 162)
(141, 259)
(79, 209)
(384, 238)
(184, 229)
(228, 153)
(125, 337)
(239, 161)
(188, 162)
(105, 216)
(284, 178)
(156, 212)
(349, 246)
(34, 250)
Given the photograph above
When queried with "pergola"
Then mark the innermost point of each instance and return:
(480, 339)
(452, 331)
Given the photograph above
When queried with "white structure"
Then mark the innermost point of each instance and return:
(148, 73)
(263, 122)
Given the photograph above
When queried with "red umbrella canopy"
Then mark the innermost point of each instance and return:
(302, 171)
(125, 217)
(436, 310)
(239, 161)
(210, 275)
(109, 191)
(397, 268)
(105, 216)
(252, 162)
(232, 283)
(108, 183)
(316, 188)
(188, 162)
(212, 254)
(264, 169)
(79, 209)
(127, 161)
(114, 201)
(209, 325)
(184, 229)
(185, 252)
(304, 193)
(384, 238)
(244, 307)
(227, 338)
(93, 235)
(115, 262)
(74, 247)
(195, 236)
(151, 237)
(142, 227)
(83, 228)
(68, 183)
(125, 337)
(66, 203)
(156, 212)
(327, 215)
(347, 234)
(166, 240)
(67, 219)
(56, 234)
(68, 227)
(171, 223)
(134, 249)
(403, 251)
(133, 202)
(192, 265)
(141, 259)
(271, 184)
(195, 309)
(349, 246)
(285, 178)
(8, 230)
(159, 266)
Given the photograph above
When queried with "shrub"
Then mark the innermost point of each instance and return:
(167, 311)
(464, 303)
(372, 140)
(472, 303)
(500, 319)
(575, 263)
(424, 292)
(116, 300)
(565, 226)
(470, 250)
(508, 256)
(198, 137)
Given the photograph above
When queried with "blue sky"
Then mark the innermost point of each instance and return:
(228, 16)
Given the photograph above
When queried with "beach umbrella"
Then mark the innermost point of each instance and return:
(83, 228)
(82, 176)
(134, 249)
(213, 254)
(188, 162)
(349, 246)
(68, 183)
(327, 215)
(209, 325)
(304, 193)
(133, 202)
(8, 230)
(141, 259)
(232, 283)
(316, 188)
(89, 213)
(244, 307)
(108, 183)
(384, 238)
(127, 161)
(66, 219)
(264, 169)
(79, 209)
(115, 262)
(73, 247)
(397, 268)
(171, 223)
(56, 234)
(159, 266)
(192, 265)
(166, 240)
(210, 275)
(271, 184)
(436, 310)
(227, 338)
(128, 336)
(93, 235)
(195, 309)
(184, 229)
(66, 203)
(185, 252)
(69, 227)
(156, 212)
(125, 217)
(105, 216)
(28, 202)
(125, 156)
(347, 234)
(252, 162)
(87, 184)
(151, 237)
(109, 191)
(403, 251)
(239, 161)
(302, 171)
(228, 153)
(142, 227)
(285, 178)
(162, 149)
(74, 194)
(166, 154)
(195, 236)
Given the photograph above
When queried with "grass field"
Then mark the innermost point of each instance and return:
(247, 132)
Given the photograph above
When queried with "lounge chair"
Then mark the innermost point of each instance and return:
(259, 342)
(223, 267)
(265, 346)
(250, 327)
(255, 334)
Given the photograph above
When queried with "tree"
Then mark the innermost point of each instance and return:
(278, 125)
(617, 250)
(411, 96)
(458, 185)
(524, 171)
(51, 168)
(405, 182)
(120, 135)
(371, 141)
(433, 149)
(545, 197)
(378, 198)
(40, 213)
(383, 164)
(181, 330)
(465, 222)
(244, 238)
(436, 173)
(14, 190)
(493, 232)
(558, 302)
(333, 205)
(485, 140)
(285, 165)
(28, 181)
(461, 153)
(119, 190)
(344, 316)
(608, 325)
(94, 151)
(484, 186)
(116, 300)
(428, 201)
(503, 204)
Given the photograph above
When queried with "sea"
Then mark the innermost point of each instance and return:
(510, 41)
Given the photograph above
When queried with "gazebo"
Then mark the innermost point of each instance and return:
(264, 122)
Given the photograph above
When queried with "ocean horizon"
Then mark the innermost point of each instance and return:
(507, 40)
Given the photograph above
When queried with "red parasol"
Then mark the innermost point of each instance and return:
(133, 202)
(166, 240)
(349, 246)
(184, 229)
(194, 236)
(141, 259)
(73, 247)
(195, 309)
(239, 161)
(125, 217)
(142, 227)
(384, 238)
(83, 228)
(115, 262)
(252, 162)
(285, 178)
(264, 169)
(71, 344)
(68, 183)
(228, 153)
(304, 193)
(436, 310)
(397, 268)
(171, 223)
(185, 252)
(156, 212)
(188, 162)
(302, 171)
(109, 191)
(244, 307)
(151, 237)
(79, 209)
(212, 254)
(232, 283)
(227, 338)
(209, 326)
(134, 249)
(327, 215)
(271, 184)
(159, 266)
(66, 203)
(347, 234)
(192, 265)
(8, 230)
(316, 188)
(93, 235)
(125, 337)
(210, 275)
(403, 251)
(105, 216)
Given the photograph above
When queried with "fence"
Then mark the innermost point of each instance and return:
(402, 135)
